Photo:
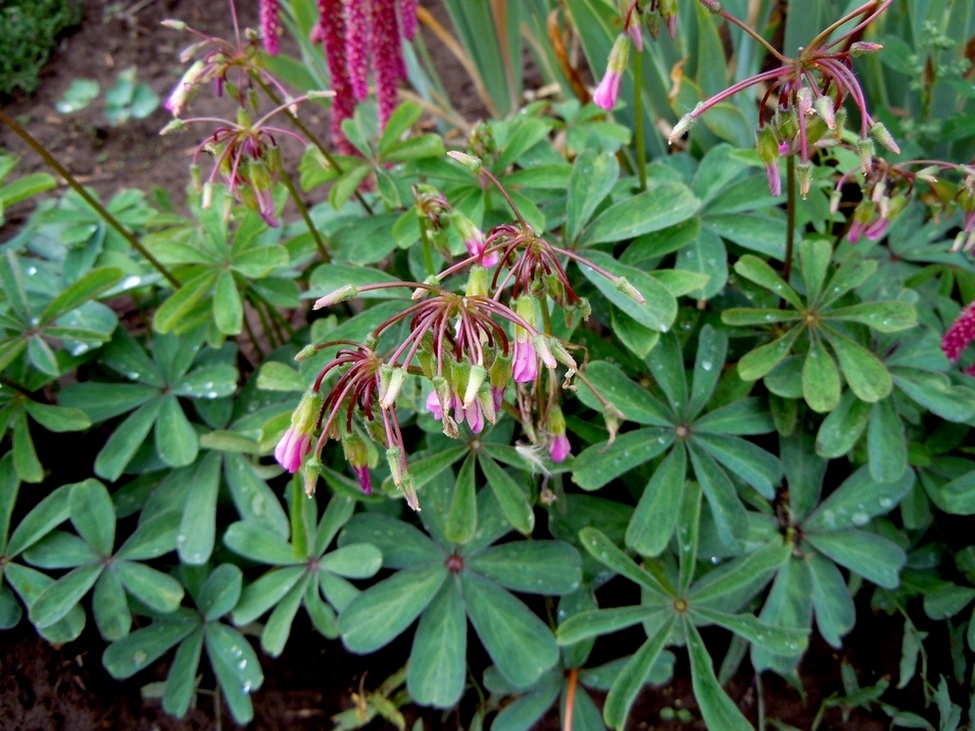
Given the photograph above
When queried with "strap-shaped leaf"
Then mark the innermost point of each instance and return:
(780, 640)
(437, 668)
(592, 178)
(606, 552)
(93, 515)
(520, 644)
(636, 672)
(124, 658)
(237, 668)
(176, 441)
(278, 626)
(788, 604)
(110, 607)
(220, 592)
(712, 349)
(181, 681)
(182, 301)
(667, 366)
(47, 515)
(353, 561)
(661, 206)
(733, 583)
(384, 611)
(814, 260)
(158, 591)
(934, 392)
(58, 598)
(726, 507)
(600, 463)
(749, 462)
(742, 417)
(866, 375)
(835, 613)
(852, 273)
(596, 622)
(843, 426)
(886, 442)
(820, 377)
(656, 513)
(659, 309)
(259, 596)
(197, 530)
(258, 543)
(761, 360)
(534, 567)
(126, 439)
(462, 515)
(873, 557)
(857, 501)
(88, 287)
(885, 317)
(254, 500)
(717, 709)
(758, 271)
(636, 403)
(512, 497)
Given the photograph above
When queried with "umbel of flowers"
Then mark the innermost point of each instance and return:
(481, 352)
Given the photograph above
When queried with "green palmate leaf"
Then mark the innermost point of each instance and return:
(747, 461)
(596, 622)
(655, 516)
(746, 416)
(401, 544)
(60, 550)
(158, 591)
(820, 377)
(176, 441)
(804, 472)
(154, 537)
(764, 358)
(48, 514)
(220, 592)
(934, 392)
(660, 309)
(30, 584)
(254, 499)
(886, 442)
(93, 515)
(634, 402)
(788, 604)
(124, 658)
(758, 271)
(592, 178)
(102, 401)
(354, 561)
(260, 544)
(852, 273)
(42, 356)
(884, 317)
(385, 610)
(261, 595)
(57, 418)
(780, 640)
(197, 530)
(857, 501)
(750, 316)
(638, 339)
(181, 681)
(126, 439)
(228, 310)
(26, 463)
(511, 496)
(526, 710)
(59, 598)
(337, 513)
(842, 428)
(462, 516)
(705, 256)
(867, 376)
(237, 668)
(835, 613)
(726, 507)
(667, 365)
(88, 287)
(636, 673)
(712, 349)
(535, 567)
(110, 607)
(175, 309)
(661, 206)
(605, 551)
(322, 617)
(519, 643)
(736, 581)
(688, 534)
(814, 258)
(717, 709)
(600, 463)
(436, 671)
(874, 558)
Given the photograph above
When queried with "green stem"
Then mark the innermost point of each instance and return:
(790, 216)
(425, 243)
(253, 337)
(303, 210)
(641, 151)
(266, 327)
(303, 128)
(546, 316)
(88, 197)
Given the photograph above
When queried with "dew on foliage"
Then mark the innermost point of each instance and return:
(707, 365)
(139, 657)
(859, 518)
(886, 502)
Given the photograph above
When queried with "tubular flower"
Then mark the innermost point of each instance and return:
(609, 88)
(524, 368)
(270, 25)
(296, 442)
(558, 447)
(474, 240)
(959, 335)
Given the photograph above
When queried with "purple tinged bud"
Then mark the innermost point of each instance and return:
(473, 239)
(524, 368)
(804, 104)
(296, 442)
(865, 150)
(390, 383)
(346, 292)
(473, 164)
(544, 352)
(185, 89)
(624, 286)
(635, 31)
(559, 447)
(713, 5)
(433, 405)
(825, 109)
(861, 47)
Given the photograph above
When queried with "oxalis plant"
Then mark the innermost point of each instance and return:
(571, 408)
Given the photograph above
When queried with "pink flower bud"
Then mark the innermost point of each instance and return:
(609, 88)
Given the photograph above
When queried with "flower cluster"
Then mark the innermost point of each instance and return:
(359, 35)
(470, 348)
(960, 335)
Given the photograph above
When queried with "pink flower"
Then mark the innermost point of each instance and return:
(365, 479)
(387, 58)
(609, 88)
(358, 36)
(524, 369)
(331, 32)
(433, 406)
(960, 334)
(474, 417)
(292, 448)
(270, 25)
(559, 447)
(408, 15)
(474, 240)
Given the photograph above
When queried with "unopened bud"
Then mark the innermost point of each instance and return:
(207, 198)
(390, 382)
(540, 343)
(861, 47)
(174, 24)
(307, 352)
(320, 94)
(804, 171)
(825, 109)
(865, 150)
(713, 5)
(475, 378)
(804, 103)
(470, 162)
(684, 124)
(623, 285)
(309, 474)
(176, 125)
(477, 282)
(835, 199)
(346, 292)
(880, 133)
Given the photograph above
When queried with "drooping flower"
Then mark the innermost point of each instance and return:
(474, 240)
(959, 335)
(559, 447)
(296, 442)
(609, 88)
(524, 368)
(357, 455)
(270, 25)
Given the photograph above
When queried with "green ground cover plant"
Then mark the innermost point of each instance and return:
(694, 335)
